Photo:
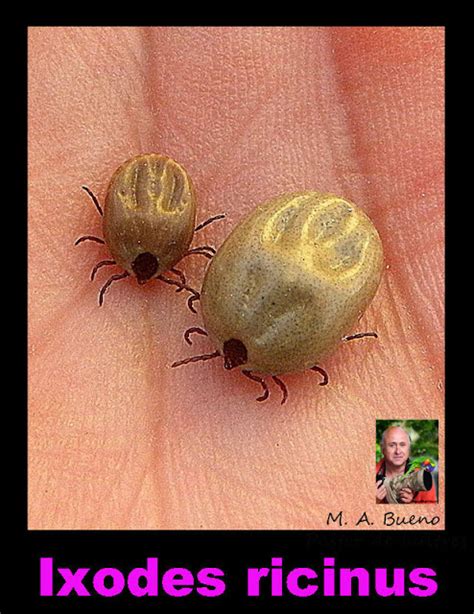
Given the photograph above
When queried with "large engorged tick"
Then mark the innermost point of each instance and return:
(288, 284)
(149, 222)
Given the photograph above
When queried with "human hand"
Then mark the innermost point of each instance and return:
(118, 439)
(406, 495)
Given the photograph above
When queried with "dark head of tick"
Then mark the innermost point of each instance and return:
(235, 353)
(145, 267)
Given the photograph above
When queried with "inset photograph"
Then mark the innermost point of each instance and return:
(406, 461)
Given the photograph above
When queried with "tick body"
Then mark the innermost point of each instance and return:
(148, 220)
(289, 283)
(149, 216)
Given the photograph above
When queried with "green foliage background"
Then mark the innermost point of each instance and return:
(423, 433)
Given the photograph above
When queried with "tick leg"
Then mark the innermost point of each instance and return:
(186, 361)
(193, 329)
(94, 199)
(100, 265)
(262, 383)
(359, 336)
(203, 250)
(283, 387)
(323, 373)
(107, 284)
(209, 221)
(182, 278)
(191, 299)
(195, 296)
(89, 238)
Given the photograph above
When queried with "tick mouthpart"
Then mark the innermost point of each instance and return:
(235, 354)
(145, 266)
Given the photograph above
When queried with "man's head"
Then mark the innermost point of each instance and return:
(395, 445)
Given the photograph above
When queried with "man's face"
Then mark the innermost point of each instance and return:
(397, 447)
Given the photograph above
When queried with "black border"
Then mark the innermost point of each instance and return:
(233, 551)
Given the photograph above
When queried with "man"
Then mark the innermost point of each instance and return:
(396, 451)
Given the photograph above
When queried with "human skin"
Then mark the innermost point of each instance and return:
(118, 439)
(395, 450)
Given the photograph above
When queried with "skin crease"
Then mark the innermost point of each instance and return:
(119, 440)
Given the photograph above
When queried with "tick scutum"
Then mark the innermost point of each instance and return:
(145, 266)
(235, 353)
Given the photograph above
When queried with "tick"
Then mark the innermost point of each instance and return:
(149, 222)
(288, 285)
